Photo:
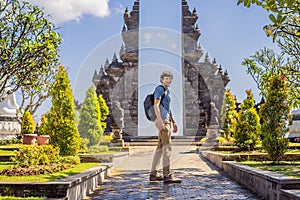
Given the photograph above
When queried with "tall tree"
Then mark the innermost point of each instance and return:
(265, 63)
(284, 27)
(62, 118)
(247, 130)
(29, 46)
(229, 114)
(90, 118)
(34, 95)
(275, 114)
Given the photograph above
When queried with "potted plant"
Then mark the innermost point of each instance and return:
(27, 129)
(43, 138)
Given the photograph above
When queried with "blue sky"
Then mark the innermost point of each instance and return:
(228, 32)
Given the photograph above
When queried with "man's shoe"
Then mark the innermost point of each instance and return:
(156, 178)
(170, 179)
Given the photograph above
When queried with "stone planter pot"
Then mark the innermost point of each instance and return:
(29, 138)
(43, 139)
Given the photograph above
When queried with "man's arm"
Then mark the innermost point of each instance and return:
(160, 122)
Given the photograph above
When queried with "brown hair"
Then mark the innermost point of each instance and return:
(165, 74)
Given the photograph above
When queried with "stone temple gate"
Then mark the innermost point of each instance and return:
(203, 81)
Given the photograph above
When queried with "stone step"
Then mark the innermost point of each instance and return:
(154, 143)
(154, 138)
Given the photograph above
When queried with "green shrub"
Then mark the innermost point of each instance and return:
(28, 125)
(106, 138)
(10, 141)
(98, 149)
(73, 160)
(222, 140)
(103, 110)
(83, 148)
(43, 126)
(229, 114)
(247, 130)
(90, 118)
(31, 155)
(275, 114)
(203, 140)
(62, 118)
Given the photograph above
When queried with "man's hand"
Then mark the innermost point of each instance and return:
(175, 128)
(160, 124)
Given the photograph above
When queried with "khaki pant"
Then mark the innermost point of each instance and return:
(163, 150)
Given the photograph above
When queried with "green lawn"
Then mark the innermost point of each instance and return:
(19, 198)
(6, 152)
(47, 177)
(285, 168)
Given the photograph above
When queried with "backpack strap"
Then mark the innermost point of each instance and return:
(164, 94)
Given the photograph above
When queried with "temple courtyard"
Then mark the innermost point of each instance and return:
(200, 179)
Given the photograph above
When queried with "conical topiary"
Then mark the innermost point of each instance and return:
(28, 125)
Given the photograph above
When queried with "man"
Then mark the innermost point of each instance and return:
(163, 122)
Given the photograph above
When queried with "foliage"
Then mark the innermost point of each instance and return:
(35, 170)
(90, 118)
(229, 114)
(83, 148)
(62, 119)
(43, 126)
(203, 140)
(225, 141)
(31, 155)
(29, 47)
(247, 130)
(106, 138)
(275, 114)
(104, 111)
(264, 64)
(28, 125)
(46, 177)
(284, 17)
(285, 30)
(73, 160)
(98, 149)
(15, 140)
(34, 95)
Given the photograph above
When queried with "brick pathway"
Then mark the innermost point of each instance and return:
(200, 180)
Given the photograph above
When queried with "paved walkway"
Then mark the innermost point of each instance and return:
(200, 180)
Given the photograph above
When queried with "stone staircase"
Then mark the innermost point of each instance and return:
(152, 141)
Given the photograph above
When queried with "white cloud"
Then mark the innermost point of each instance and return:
(66, 10)
(120, 9)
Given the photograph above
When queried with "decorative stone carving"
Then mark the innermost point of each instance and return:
(203, 83)
(294, 128)
(8, 105)
(214, 116)
(117, 124)
(117, 116)
(9, 127)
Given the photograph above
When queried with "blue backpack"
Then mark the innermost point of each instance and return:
(149, 106)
